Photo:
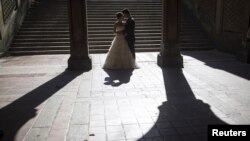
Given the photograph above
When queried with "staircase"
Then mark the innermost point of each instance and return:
(147, 15)
(191, 36)
(45, 29)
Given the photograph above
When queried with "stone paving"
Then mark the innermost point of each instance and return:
(40, 100)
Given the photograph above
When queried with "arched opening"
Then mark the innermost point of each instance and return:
(163, 104)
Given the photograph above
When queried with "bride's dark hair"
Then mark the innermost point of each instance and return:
(119, 14)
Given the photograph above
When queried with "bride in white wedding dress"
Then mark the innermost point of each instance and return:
(119, 55)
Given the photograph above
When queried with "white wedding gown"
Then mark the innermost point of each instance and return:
(119, 55)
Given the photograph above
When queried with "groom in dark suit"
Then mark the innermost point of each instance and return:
(129, 31)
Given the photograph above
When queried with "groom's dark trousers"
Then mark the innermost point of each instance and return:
(130, 34)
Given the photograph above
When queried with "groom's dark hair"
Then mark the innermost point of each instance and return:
(125, 11)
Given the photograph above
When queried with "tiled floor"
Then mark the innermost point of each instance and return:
(41, 101)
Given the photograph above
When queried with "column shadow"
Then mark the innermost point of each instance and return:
(19, 112)
(223, 62)
(118, 77)
(182, 116)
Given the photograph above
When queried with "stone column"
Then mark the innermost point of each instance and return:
(169, 55)
(219, 16)
(243, 53)
(16, 4)
(79, 53)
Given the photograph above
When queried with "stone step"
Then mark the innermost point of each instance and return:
(59, 16)
(110, 38)
(111, 25)
(146, 19)
(44, 29)
(103, 46)
(47, 52)
(136, 28)
(107, 12)
(45, 22)
(91, 33)
(113, 3)
(141, 45)
(32, 44)
(94, 16)
(89, 28)
(20, 40)
(23, 37)
(120, 8)
(37, 48)
(42, 32)
(46, 33)
(67, 43)
(136, 42)
(91, 36)
(113, 20)
(96, 21)
(40, 52)
(133, 12)
(129, 6)
(137, 16)
(112, 35)
(58, 38)
(136, 31)
(137, 21)
(45, 25)
(123, 5)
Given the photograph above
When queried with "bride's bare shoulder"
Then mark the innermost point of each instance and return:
(117, 23)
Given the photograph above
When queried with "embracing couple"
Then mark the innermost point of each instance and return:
(121, 54)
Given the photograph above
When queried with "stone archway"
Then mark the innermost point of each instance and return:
(79, 52)
(169, 55)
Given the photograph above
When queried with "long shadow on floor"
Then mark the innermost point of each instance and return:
(182, 117)
(117, 77)
(19, 112)
(222, 61)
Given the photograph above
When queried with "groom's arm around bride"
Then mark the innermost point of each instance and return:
(129, 31)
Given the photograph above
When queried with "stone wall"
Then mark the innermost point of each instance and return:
(226, 21)
(10, 20)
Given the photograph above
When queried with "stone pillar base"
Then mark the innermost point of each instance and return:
(82, 63)
(170, 61)
(243, 55)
